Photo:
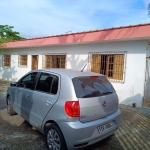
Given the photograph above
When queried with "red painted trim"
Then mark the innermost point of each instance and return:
(119, 33)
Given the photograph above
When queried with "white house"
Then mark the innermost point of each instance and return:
(122, 54)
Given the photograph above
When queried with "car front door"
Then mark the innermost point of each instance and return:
(25, 95)
(44, 97)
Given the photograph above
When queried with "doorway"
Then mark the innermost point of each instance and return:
(34, 62)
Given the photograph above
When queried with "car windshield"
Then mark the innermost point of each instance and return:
(92, 86)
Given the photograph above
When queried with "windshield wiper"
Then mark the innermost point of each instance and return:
(93, 94)
(106, 93)
(97, 93)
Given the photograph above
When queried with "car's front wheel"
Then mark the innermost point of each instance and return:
(10, 109)
(54, 138)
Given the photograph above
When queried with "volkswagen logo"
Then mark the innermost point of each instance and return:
(104, 104)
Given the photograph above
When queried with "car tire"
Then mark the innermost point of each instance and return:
(10, 109)
(54, 138)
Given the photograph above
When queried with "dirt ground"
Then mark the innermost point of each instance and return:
(3, 88)
(133, 134)
(3, 85)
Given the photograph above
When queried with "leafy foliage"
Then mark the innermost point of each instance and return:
(7, 34)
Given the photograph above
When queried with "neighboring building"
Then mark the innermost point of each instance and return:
(122, 54)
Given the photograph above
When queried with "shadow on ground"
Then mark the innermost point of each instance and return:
(16, 133)
(134, 133)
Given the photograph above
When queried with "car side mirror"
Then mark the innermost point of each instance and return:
(13, 84)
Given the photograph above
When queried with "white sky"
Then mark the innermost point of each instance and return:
(36, 18)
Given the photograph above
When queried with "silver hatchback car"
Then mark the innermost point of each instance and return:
(73, 109)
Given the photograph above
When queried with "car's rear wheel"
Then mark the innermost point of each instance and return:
(54, 138)
(10, 109)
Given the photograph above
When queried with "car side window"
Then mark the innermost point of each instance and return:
(27, 81)
(47, 83)
(54, 88)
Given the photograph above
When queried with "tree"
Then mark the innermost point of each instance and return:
(7, 34)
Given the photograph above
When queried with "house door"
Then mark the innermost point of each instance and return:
(147, 85)
(34, 63)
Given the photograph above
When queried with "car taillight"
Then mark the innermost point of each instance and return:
(72, 108)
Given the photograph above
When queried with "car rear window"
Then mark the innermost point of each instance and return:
(92, 86)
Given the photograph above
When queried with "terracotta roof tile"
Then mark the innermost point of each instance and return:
(114, 33)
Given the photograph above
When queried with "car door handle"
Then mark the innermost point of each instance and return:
(48, 103)
(26, 95)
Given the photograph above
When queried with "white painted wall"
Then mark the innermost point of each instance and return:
(147, 85)
(132, 91)
(147, 81)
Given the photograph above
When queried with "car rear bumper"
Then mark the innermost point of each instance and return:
(79, 135)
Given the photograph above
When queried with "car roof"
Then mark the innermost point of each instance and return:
(69, 72)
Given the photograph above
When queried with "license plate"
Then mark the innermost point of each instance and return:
(104, 127)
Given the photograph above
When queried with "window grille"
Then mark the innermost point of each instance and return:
(111, 64)
(23, 60)
(6, 60)
(54, 61)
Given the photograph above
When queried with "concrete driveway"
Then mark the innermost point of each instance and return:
(133, 134)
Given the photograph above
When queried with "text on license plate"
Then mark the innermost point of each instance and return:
(104, 127)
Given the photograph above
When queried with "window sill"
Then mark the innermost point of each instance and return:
(6, 67)
(23, 66)
(115, 80)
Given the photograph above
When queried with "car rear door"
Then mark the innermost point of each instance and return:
(96, 96)
(45, 95)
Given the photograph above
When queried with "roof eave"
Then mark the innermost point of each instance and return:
(100, 41)
(138, 32)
